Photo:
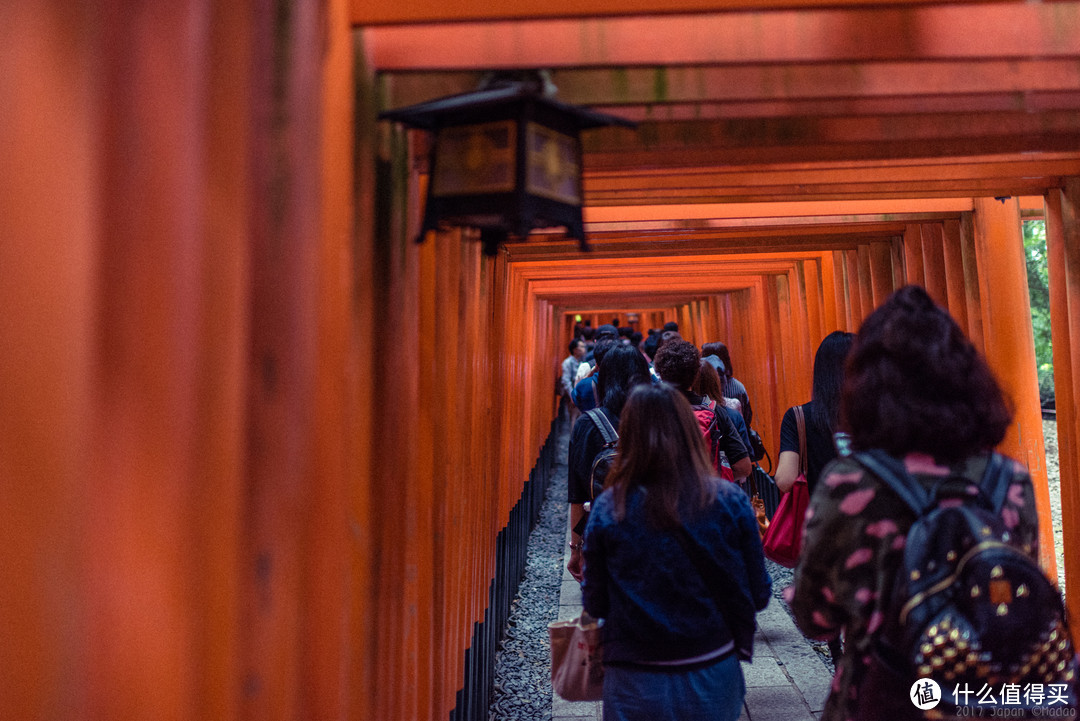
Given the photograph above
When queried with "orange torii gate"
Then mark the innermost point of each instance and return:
(265, 458)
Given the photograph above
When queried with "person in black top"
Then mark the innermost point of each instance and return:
(621, 368)
(821, 414)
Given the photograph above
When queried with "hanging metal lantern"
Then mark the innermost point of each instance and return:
(505, 159)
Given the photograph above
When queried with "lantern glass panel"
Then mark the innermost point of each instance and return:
(553, 164)
(475, 159)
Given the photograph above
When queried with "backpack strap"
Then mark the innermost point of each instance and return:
(994, 484)
(600, 419)
(800, 422)
(996, 480)
(713, 429)
(892, 472)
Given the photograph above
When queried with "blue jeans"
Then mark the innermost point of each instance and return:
(713, 693)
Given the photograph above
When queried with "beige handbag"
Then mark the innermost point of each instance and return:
(577, 669)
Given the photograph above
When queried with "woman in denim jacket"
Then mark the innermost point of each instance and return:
(674, 566)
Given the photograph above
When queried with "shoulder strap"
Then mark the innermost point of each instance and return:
(892, 472)
(800, 421)
(994, 483)
(996, 479)
(600, 419)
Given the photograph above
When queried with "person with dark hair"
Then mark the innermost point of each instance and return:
(916, 388)
(570, 365)
(667, 336)
(604, 331)
(708, 387)
(569, 370)
(821, 421)
(821, 414)
(732, 387)
(586, 394)
(671, 325)
(678, 363)
(674, 566)
(649, 346)
(621, 369)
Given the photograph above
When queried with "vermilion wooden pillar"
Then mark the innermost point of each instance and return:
(811, 273)
(972, 286)
(854, 287)
(896, 254)
(360, 378)
(913, 256)
(881, 271)
(800, 337)
(934, 263)
(49, 246)
(1063, 248)
(831, 293)
(866, 280)
(1010, 347)
(954, 272)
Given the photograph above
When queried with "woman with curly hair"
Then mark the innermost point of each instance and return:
(916, 388)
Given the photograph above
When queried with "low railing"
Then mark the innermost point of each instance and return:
(474, 698)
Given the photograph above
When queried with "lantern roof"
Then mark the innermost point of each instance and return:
(500, 97)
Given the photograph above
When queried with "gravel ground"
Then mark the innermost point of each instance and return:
(523, 663)
(1053, 474)
(522, 670)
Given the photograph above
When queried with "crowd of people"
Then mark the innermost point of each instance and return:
(666, 545)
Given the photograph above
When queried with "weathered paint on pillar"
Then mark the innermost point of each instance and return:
(913, 257)
(972, 286)
(834, 319)
(896, 252)
(364, 273)
(811, 273)
(801, 338)
(1063, 250)
(866, 291)
(934, 263)
(881, 271)
(1010, 347)
(954, 272)
(48, 259)
(854, 286)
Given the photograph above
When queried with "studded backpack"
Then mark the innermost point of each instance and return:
(970, 610)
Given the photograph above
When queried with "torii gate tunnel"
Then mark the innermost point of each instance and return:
(264, 457)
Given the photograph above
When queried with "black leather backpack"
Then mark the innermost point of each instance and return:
(970, 610)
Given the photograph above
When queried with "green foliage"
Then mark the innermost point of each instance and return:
(1039, 291)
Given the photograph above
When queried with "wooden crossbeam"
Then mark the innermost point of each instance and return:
(958, 169)
(676, 188)
(1006, 31)
(437, 11)
(810, 139)
(660, 89)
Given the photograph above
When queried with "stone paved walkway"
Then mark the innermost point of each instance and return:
(787, 680)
